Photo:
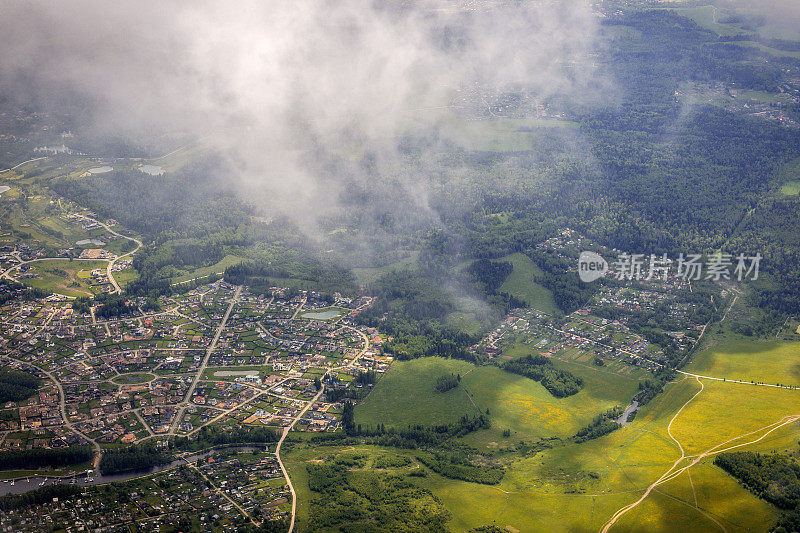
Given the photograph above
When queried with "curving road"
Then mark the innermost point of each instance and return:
(62, 400)
(280, 462)
(110, 275)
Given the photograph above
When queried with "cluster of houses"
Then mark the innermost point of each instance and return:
(128, 378)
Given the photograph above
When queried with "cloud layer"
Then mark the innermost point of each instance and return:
(272, 84)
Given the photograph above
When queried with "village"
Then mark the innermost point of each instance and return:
(628, 324)
(125, 380)
(221, 490)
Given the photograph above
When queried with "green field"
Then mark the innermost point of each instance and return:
(706, 16)
(124, 277)
(501, 134)
(531, 412)
(71, 278)
(217, 268)
(574, 487)
(405, 395)
(329, 313)
(733, 357)
(579, 487)
(367, 275)
(521, 284)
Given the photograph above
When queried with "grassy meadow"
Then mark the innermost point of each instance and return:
(70, 278)
(520, 283)
(406, 395)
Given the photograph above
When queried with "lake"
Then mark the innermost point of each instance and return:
(152, 170)
(27, 483)
(322, 315)
(100, 170)
(229, 373)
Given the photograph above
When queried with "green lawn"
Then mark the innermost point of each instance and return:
(405, 395)
(521, 284)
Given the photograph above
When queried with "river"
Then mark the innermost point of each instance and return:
(25, 484)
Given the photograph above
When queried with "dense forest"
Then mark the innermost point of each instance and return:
(16, 385)
(773, 477)
(132, 459)
(45, 457)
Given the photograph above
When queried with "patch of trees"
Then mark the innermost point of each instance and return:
(413, 338)
(651, 388)
(559, 383)
(16, 385)
(487, 277)
(569, 292)
(411, 437)
(209, 436)
(410, 296)
(82, 305)
(410, 308)
(38, 496)
(44, 457)
(366, 378)
(458, 466)
(772, 477)
(446, 382)
(364, 500)
(134, 458)
(261, 274)
(11, 290)
(392, 461)
(350, 393)
(112, 305)
(491, 274)
(603, 424)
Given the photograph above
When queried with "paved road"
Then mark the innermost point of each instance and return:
(63, 408)
(204, 364)
(24, 162)
(111, 263)
(280, 461)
